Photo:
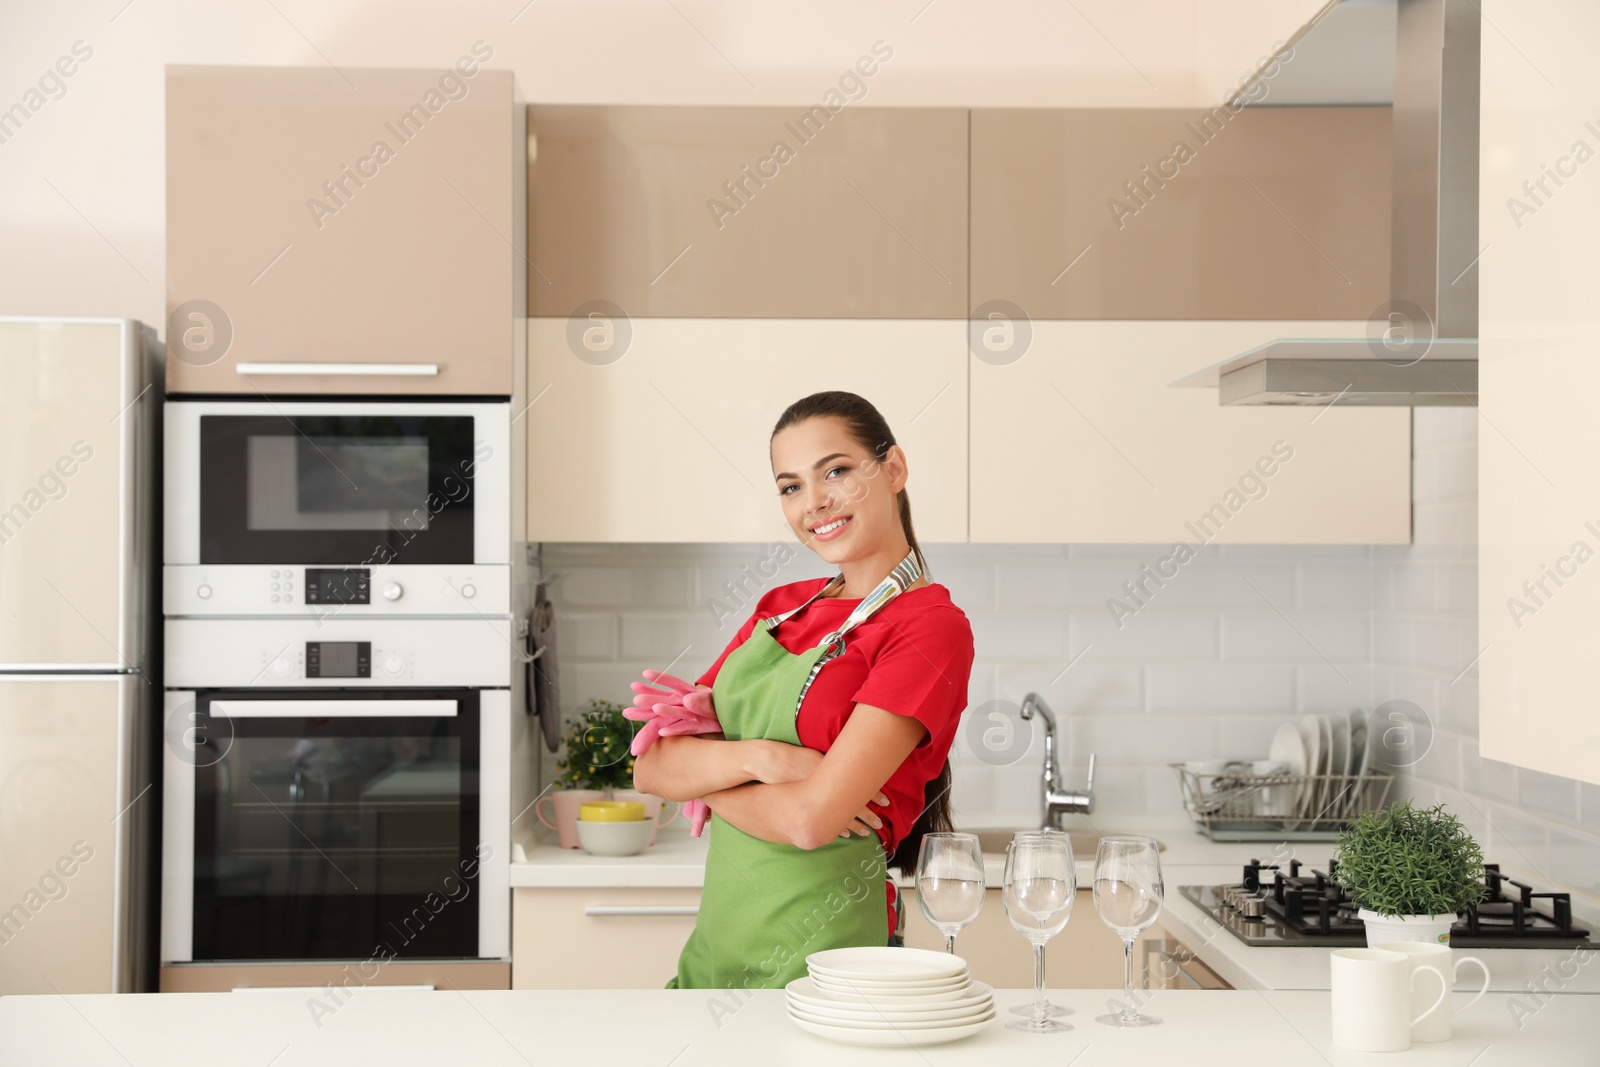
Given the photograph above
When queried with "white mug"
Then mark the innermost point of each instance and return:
(1372, 1009)
(1437, 1026)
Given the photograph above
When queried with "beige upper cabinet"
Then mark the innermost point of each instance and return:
(320, 217)
(657, 429)
(1538, 533)
(726, 212)
(1267, 213)
(1076, 436)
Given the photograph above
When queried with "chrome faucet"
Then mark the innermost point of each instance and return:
(1055, 801)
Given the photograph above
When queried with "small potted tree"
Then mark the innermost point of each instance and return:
(1411, 870)
(595, 763)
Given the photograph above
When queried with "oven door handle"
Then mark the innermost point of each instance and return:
(333, 709)
(370, 369)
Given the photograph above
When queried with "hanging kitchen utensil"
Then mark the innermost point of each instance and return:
(542, 696)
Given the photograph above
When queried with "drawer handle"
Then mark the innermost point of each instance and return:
(370, 369)
(642, 909)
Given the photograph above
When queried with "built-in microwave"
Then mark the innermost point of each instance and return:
(351, 507)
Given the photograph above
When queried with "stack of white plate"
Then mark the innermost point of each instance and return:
(889, 996)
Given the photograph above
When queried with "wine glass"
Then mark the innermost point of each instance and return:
(1040, 887)
(950, 882)
(1127, 896)
(1054, 1011)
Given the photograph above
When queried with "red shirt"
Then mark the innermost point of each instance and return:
(913, 657)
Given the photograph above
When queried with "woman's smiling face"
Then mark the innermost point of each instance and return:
(837, 498)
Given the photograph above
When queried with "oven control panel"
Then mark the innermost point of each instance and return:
(329, 591)
(219, 653)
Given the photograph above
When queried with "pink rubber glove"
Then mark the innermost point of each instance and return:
(680, 708)
(697, 813)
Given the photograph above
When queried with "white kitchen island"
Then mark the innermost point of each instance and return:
(690, 1028)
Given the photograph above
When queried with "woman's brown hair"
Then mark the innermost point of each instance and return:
(869, 429)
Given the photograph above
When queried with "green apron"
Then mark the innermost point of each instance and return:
(767, 905)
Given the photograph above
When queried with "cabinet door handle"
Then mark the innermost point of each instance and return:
(370, 369)
(642, 909)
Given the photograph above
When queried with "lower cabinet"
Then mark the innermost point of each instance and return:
(1085, 955)
(630, 937)
(599, 938)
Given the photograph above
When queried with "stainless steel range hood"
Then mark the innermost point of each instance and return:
(1422, 348)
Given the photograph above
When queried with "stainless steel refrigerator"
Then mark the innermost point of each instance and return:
(80, 402)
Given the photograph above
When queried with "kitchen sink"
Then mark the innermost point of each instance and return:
(1084, 842)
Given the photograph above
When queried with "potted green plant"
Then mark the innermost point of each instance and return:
(595, 762)
(1411, 870)
(597, 755)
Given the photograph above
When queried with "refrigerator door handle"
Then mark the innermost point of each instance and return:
(369, 369)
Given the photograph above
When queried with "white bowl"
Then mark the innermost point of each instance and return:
(615, 838)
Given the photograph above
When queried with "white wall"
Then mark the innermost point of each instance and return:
(82, 182)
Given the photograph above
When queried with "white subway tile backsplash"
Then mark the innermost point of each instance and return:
(1335, 587)
(1016, 790)
(971, 792)
(1220, 688)
(971, 585)
(1137, 738)
(1332, 689)
(585, 636)
(1248, 736)
(1296, 638)
(1073, 688)
(1394, 639)
(1519, 841)
(587, 587)
(1412, 589)
(1548, 794)
(661, 638)
(1013, 636)
(1174, 637)
(1488, 779)
(1575, 860)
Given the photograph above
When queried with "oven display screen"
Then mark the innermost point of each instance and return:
(338, 659)
(338, 585)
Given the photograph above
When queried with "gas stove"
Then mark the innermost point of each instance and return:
(1271, 907)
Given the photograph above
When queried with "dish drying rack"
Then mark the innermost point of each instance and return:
(1237, 805)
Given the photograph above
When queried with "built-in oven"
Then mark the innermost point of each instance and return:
(336, 794)
(322, 506)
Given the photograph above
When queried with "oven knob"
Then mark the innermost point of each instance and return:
(281, 666)
(394, 663)
(469, 590)
(204, 592)
(392, 590)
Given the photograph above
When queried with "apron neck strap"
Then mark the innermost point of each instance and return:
(906, 572)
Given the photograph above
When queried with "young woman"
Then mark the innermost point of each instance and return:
(838, 700)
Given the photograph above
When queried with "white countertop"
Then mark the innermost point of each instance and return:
(657, 1027)
(677, 859)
